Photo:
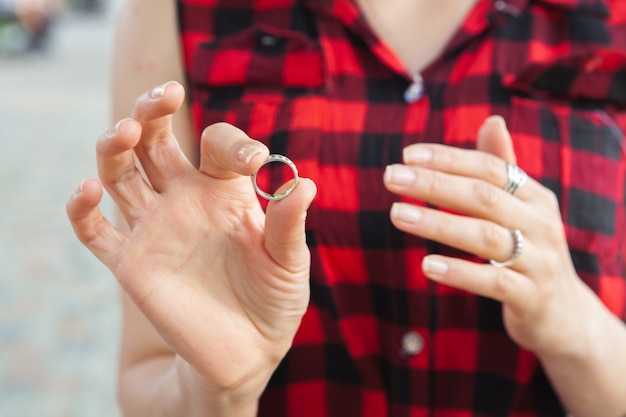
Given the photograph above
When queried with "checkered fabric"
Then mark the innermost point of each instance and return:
(311, 80)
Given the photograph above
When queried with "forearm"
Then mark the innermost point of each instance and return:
(147, 53)
(156, 387)
(590, 380)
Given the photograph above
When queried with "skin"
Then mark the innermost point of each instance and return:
(547, 309)
(237, 277)
(416, 31)
(245, 307)
(241, 310)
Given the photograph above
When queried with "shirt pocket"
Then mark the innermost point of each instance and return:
(260, 63)
(265, 80)
(579, 154)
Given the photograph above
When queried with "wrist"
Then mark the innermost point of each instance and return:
(203, 397)
(588, 373)
(579, 335)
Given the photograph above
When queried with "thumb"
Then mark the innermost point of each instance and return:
(285, 238)
(228, 152)
(494, 138)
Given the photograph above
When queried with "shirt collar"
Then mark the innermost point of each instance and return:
(479, 19)
(598, 7)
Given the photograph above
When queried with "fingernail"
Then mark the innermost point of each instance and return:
(405, 213)
(248, 151)
(497, 120)
(120, 123)
(434, 267)
(159, 91)
(80, 187)
(399, 175)
(416, 155)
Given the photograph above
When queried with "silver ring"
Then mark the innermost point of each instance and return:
(281, 159)
(516, 177)
(518, 245)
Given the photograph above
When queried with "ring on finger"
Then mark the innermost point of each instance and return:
(518, 246)
(516, 177)
(276, 196)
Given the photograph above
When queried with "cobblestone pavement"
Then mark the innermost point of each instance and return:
(59, 318)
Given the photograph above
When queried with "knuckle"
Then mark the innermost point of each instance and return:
(103, 144)
(494, 167)
(432, 180)
(220, 129)
(554, 235)
(549, 223)
(552, 200)
(139, 104)
(501, 282)
(440, 228)
(443, 156)
(493, 237)
(487, 194)
(547, 202)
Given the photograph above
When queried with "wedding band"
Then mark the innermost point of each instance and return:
(281, 159)
(516, 177)
(518, 245)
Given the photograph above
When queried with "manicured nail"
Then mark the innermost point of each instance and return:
(399, 175)
(159, 91)
(405, 213)
(120, 123)
(498, 119)
(434, 267)
(417, 155)
(248, 151)
(80, 187)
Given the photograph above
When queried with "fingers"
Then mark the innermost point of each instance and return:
(118, 171)
(488, 163)
(285, 238)
(482, 238)
(471, 164)
(477, 198)
(158, 150)
(227, 152)
(494, 138)
(502, 284)
(91, 228)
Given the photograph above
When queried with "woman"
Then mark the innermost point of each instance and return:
(383, 107)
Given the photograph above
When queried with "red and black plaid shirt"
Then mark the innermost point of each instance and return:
(311, 80)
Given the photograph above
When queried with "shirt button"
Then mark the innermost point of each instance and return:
(269, 40)
(412, 343)
(504, 7)
(415, 91)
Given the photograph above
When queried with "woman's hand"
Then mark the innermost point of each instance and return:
(223, 283)
(543, 298)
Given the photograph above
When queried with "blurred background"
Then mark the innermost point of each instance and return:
(59, 308)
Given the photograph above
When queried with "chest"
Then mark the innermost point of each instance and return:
(416, 30)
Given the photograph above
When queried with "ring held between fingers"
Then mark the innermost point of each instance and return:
(277, 195)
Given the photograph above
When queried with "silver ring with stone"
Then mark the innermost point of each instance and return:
(276, 196)
(518, 246)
